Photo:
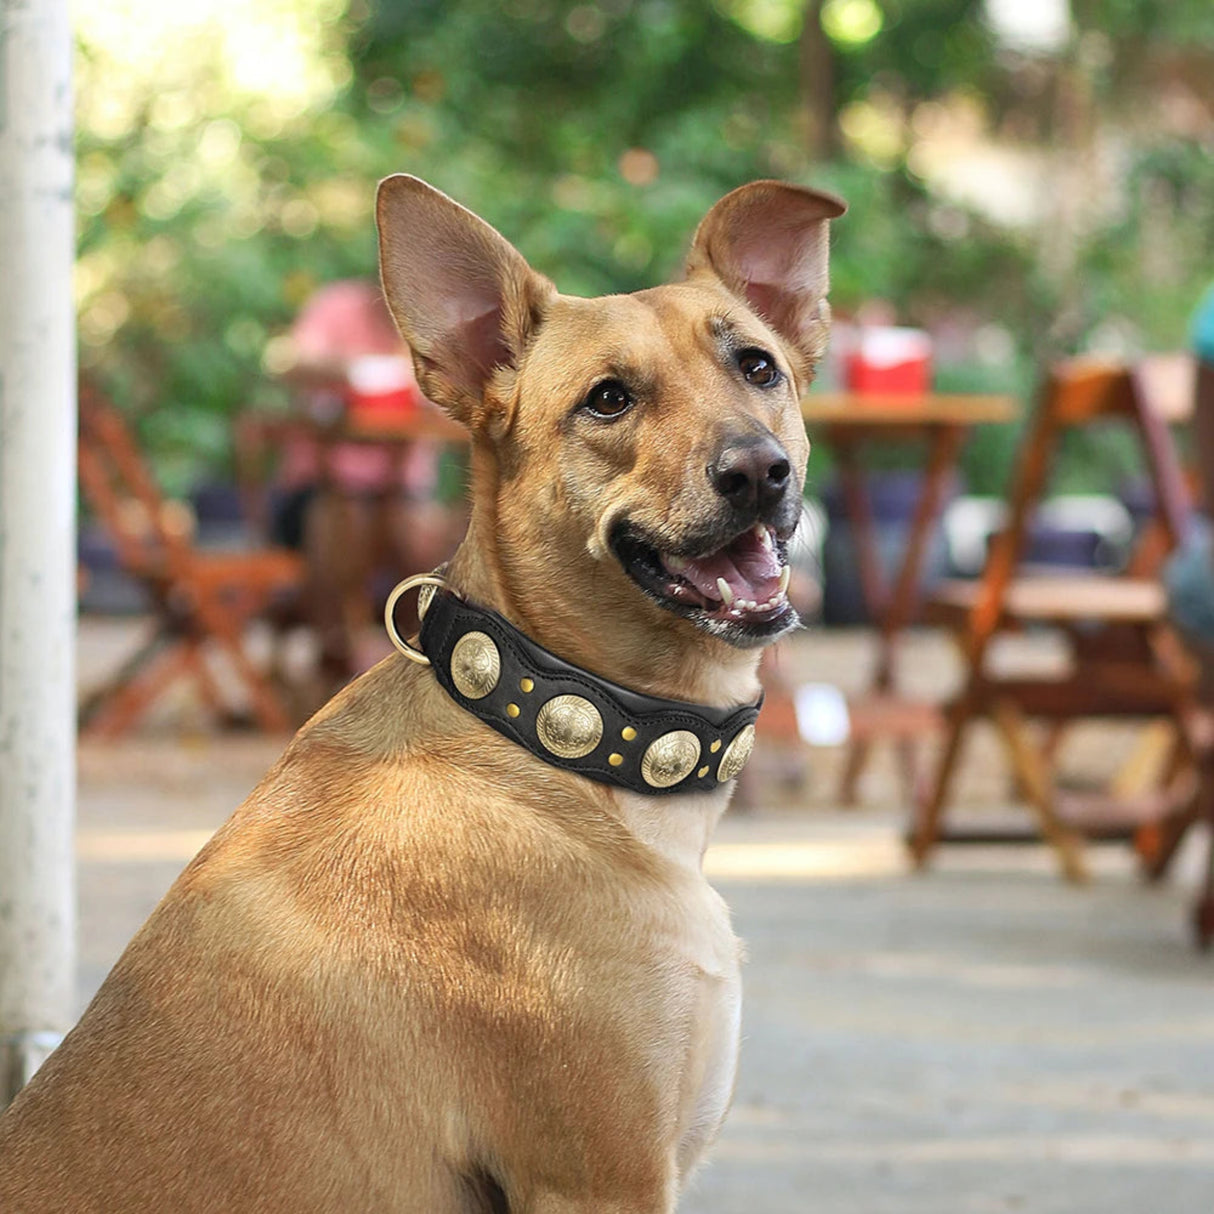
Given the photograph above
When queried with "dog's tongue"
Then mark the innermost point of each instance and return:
(749, 566)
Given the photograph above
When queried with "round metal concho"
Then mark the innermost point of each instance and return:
(736, 753)
(670, 758)
(476, 665)
(569, 726)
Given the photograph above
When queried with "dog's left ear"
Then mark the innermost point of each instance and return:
(768, 242)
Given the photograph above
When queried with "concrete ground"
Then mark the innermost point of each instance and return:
(978, 1038)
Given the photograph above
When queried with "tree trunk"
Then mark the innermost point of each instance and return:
(818, 86)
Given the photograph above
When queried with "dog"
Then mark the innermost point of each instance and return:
(425, 967)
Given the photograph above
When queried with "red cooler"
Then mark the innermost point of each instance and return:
(890, 361)
(383, 389)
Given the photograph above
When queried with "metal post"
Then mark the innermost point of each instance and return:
(37, 537)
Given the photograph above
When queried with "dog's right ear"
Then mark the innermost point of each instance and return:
(462, 296)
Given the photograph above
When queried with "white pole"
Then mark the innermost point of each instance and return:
(37, 537)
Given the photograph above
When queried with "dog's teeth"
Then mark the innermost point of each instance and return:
(785, 576)
(676, 564)
(726, 593)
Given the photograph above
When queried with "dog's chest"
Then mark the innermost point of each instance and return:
(716, 1007)
(708, 954)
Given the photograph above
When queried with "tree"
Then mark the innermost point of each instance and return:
(595, 133)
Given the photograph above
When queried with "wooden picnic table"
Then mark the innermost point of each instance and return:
(340, 599)
(851, 424)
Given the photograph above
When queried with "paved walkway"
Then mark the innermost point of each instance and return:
(981, 1038)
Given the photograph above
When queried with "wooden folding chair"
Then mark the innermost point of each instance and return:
(200, 598)
(1121, 663)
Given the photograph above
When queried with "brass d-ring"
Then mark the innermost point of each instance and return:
(399, 591)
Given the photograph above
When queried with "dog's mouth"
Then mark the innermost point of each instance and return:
(737, 591)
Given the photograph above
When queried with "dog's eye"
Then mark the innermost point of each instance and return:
(758, 368)
(608, 399)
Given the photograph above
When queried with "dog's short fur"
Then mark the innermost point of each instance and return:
(419, 969)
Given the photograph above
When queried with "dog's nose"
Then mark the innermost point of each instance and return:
(751, 473)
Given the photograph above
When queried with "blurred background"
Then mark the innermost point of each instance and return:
(1027, 178)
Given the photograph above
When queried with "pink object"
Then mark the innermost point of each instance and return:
(891, 361)
(349, 321)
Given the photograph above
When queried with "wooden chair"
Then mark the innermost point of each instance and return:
(201, 599)
(1116, 628)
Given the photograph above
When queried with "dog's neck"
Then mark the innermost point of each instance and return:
(686, 666)
(698, 669)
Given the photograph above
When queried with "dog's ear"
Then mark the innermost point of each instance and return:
(768, 242)
(462, 296)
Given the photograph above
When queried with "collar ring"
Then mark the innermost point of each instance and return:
(425, 581)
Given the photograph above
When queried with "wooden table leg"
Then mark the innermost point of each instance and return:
(893, 612)
(944, 444)
(873, 588)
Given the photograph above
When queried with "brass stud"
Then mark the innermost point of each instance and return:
(701, 773)
(476, 665)
(670, 758)
(628, 733)
(735, 756)
(569, 726)
(615, 759)
(512, 710)
(715, 746)
(526, 685)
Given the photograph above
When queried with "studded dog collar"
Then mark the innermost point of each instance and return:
(567, 716)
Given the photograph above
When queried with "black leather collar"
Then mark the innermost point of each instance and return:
(576, 720)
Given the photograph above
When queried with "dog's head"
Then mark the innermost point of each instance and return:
(638, 458)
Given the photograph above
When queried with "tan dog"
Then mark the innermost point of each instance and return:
(419, 970)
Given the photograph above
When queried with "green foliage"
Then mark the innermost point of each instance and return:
(595, 135)
(1132, 23)
(925, 48)
(1150, 266)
